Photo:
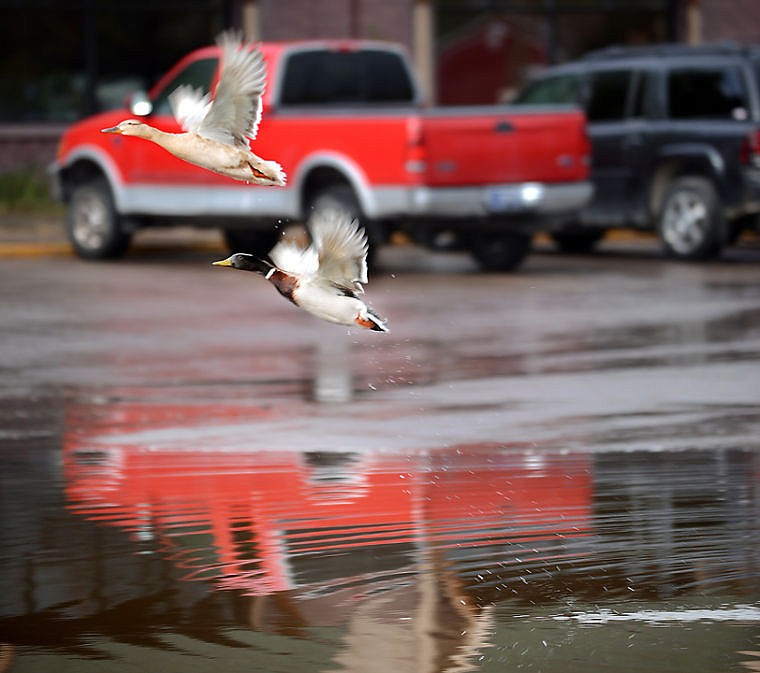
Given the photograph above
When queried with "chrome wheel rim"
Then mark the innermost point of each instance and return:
(685, 222)
(91, 221)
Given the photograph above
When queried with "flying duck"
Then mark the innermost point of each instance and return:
(324, 278)
(217, 131)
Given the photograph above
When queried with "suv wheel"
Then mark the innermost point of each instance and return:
(690, 223)
(92, 224)
(503, 251)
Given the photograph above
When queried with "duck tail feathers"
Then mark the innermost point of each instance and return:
(374, 322)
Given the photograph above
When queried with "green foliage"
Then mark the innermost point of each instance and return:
(26, 190)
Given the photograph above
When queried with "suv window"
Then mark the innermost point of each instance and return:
(198, 75)
(707, 93)
(609, 94)
(363, 76)
(561, 89)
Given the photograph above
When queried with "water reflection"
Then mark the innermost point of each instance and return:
(408, 550)
(438, 560)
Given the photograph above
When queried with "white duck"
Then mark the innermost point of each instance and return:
(324, 278)
(217, 131)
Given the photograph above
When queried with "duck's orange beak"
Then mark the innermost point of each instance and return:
(113, 129)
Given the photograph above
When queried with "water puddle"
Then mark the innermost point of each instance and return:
(140, 541)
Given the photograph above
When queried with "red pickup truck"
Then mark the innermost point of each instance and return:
(346, 122)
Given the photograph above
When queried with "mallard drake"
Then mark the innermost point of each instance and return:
(217, 131)
(323, 278)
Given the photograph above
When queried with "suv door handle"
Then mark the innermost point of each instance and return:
(503, 126)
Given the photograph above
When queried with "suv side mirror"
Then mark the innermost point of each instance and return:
(139, 104)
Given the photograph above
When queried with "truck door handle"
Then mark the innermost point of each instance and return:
(503, 127)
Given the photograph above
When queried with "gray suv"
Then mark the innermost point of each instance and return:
(675, 133)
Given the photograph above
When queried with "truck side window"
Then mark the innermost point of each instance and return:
(608, 96)
(198, 75)
(640, 107)
(707, 93)
(363, 76)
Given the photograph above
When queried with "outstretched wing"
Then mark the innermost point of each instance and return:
(235, 111)
(341, 245)
(189, 106)
(295, 259)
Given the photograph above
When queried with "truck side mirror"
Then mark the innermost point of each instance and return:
(139, 104)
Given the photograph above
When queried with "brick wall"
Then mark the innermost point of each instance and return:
(25, 145)
(737, 20)
(306, 19)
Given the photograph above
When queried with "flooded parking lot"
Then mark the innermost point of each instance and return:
(557, 470)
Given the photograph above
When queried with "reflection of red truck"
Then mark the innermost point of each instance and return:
(267, 521)
(344, 119)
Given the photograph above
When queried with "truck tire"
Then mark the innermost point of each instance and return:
(93, 226)
(577, 242)
(690, 222)
(257, 241)
(503, 251)
(335, 197)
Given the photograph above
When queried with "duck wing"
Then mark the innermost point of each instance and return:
(235, 111)
(189, 106)
(341, 246)
(294, 258)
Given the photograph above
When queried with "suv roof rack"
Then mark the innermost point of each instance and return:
(670, 49)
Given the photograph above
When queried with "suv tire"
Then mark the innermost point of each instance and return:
(690, 222)
(93, 226)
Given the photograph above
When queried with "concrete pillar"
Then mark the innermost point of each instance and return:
(250, 20)
(693, 22)
(424, 47)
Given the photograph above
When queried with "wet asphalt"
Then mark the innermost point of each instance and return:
(555, 469)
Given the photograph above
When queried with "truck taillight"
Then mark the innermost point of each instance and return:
(416, 156)
(749, 155)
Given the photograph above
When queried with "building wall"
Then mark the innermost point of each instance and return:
(737, 20)
(299, 19)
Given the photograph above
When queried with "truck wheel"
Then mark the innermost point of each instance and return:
(336, 197)
(577, 241)
(93, 226)
(690, 223)
(255, 241)
(504, 251)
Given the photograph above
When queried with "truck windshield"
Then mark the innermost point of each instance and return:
(197, 74)
(361, 76)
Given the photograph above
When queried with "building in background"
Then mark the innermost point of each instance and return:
(67, 59)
